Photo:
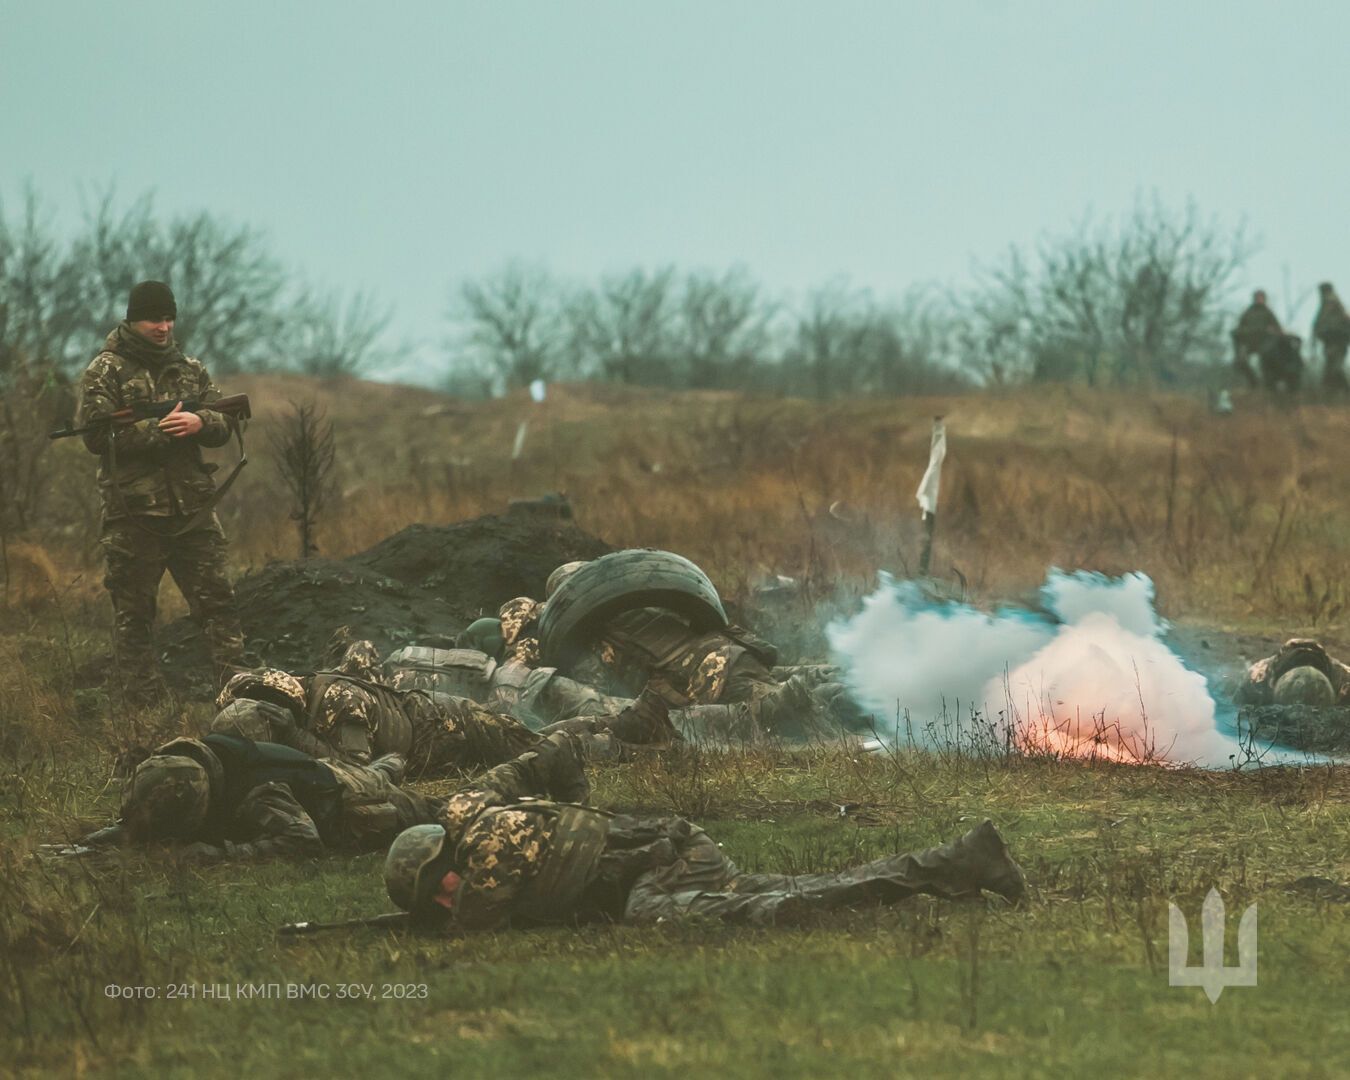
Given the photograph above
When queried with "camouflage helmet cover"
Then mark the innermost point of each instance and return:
(271, 684)
(410, 875)
(561, 574)
(261, 721)
(1303, 686)
(166, 798)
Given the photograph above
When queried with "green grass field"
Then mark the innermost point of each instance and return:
(1247, 544)
(1075, 983)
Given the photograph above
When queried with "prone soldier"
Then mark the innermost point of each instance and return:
(350, 713)
(509, 852)
(227, 797)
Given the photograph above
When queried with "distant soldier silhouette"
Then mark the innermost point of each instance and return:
(1260, 334)
(1332, 329)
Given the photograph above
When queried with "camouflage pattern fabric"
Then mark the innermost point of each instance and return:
(271, 685)
(451, 732)
(158, 475)
(373, 810)
(263, 721)
(520, 630)
(656, 869)
(703, 882)
(499, 846)
(162, 481)
(136, 556)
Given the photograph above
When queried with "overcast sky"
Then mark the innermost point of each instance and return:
(405, 146)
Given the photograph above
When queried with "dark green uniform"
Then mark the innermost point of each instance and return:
(1257, 329)
(1332, 329)
(153, 488)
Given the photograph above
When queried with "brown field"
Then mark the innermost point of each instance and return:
(1239, 519)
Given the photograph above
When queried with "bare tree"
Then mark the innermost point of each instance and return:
(721, 328)
(513, 325)
(623, 331)
(305, 451)
(328, 339)
(1141, 302)
(229, 287)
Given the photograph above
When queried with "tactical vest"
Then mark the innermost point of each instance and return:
(570, 864)
(465, 673)
(662, 638)
(247, 765)
(393, 735)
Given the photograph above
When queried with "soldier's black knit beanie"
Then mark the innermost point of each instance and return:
(151, 300)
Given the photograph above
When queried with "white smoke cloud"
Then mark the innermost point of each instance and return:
(1089, 676)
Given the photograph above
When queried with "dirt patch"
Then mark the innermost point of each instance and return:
(476, 566)
(421, 585)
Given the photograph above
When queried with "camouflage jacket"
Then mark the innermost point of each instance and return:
(362, 720)
(157, 475)
(1332, 323)
(699, 668)
(520, 630)
(1257, 325)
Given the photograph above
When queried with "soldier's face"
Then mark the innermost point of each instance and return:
(157, 330)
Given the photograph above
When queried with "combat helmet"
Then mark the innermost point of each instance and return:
(271, 684)
(166, 798)
(417, 861)
(483, 635)
(249, 718)
(1303, 686)
(561, 574)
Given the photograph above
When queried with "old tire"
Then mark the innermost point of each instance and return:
(622, 581)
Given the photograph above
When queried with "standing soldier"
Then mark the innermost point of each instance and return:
(1256, 329)
(1332, 329)
(157, 492)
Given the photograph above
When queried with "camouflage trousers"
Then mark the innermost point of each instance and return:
(374, 809)
(456, 733)
(700, 881)
(136, 553)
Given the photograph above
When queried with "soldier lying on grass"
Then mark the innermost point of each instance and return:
(226, 797)
(502, 853)
(351, 714)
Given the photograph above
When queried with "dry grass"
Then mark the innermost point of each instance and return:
(1236, 518)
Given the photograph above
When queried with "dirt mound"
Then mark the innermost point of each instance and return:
(422, 585)
(476, 566)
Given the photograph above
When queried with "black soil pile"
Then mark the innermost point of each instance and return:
(476, 566)
(421, 585)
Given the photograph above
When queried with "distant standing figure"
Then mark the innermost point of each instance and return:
(156, 490)
(1257, 330)
(1332, 329)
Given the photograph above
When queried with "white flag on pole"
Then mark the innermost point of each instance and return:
(928, 486)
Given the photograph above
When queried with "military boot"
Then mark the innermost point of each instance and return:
(979, 860)
(646, 722)
(789, 711)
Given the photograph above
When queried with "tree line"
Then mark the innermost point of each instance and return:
(1143, 299)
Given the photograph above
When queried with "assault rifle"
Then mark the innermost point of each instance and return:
(392, 920)
(235, 406)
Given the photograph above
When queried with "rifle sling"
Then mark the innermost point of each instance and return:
(199, 515)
